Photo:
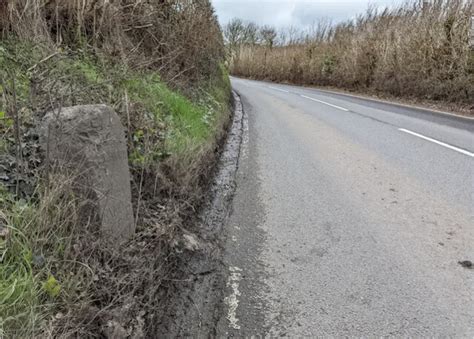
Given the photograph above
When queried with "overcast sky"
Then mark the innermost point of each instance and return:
(299, 13)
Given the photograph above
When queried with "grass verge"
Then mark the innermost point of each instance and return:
(56, 280)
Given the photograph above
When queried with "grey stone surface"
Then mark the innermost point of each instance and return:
(89, 142)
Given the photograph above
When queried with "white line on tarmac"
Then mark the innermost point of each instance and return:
(279, 89)
(326, 103)
(460, 150)
(232, 300)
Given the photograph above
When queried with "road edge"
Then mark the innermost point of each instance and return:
(197, 306)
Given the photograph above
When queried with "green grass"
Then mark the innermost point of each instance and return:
(185, 125)
(189, 126)
(23, 304)
(38, 276)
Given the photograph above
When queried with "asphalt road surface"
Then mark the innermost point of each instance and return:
(349, 219)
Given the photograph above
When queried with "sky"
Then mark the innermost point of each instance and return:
(298, 13)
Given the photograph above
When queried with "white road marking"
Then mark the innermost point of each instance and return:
(457, 149)
(232, 300)
(279, 89)
(393, 103)
(326, 103)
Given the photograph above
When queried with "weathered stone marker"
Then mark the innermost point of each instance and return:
(89, 142)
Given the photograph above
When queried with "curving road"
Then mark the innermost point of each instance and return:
(349, 219)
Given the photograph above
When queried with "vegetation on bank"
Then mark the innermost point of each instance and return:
(415, 50)
(55, 279)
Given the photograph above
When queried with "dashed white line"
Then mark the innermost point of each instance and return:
(279, 89)
(325, 103)
(457, 149)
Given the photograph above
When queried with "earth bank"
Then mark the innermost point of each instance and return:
(160, 67)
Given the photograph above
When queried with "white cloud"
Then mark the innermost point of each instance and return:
(301, 13)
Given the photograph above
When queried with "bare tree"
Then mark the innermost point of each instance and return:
(234, 33)
(294, 35)
(251, 33)
(320, 30)
(268, 36)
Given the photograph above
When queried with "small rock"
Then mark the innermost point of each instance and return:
(39, 261)
(115, 330)
(4, 232)
(190, 242)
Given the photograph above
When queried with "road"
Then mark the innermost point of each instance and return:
(349, 219)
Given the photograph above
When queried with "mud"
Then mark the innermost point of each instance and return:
(195, 306)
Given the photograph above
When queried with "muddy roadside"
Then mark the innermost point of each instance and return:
(195, 302)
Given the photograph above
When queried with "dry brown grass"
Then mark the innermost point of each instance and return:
(179, 38)
(410, 51)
